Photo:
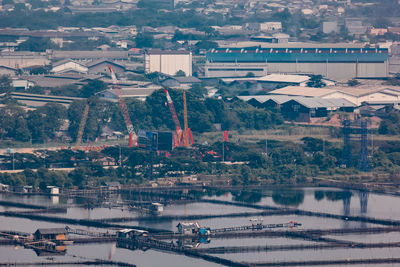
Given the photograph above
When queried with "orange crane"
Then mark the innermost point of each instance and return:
(124, 108)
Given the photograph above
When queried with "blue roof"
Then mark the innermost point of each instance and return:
(271, 55)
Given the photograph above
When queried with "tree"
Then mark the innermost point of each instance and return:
(21, 131)
(198, 90)
(45, 121)
(180, 73)
(39, 70)
(250, 74)
(390, 124)
(5, 84)
(353, 82)
(395, 81)
(144, 40)
(7, 2)
(316, 81)
(37, 44)
(12, 117)
(92, 87)
(206, 45)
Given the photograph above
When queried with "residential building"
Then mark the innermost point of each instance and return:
(270, 26)
(330, 26)
(355, 27)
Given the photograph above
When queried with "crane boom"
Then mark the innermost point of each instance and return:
(174, 117)
(185, 122)
(82, 126)
(124, 108)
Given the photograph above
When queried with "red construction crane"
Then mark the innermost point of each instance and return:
(226, 137)
(124, 109)
(187, 133)
(178, 129)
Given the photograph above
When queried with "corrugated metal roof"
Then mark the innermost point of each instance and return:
(52, 231)
(279, 99)
(240, 44)
(167, 52)
(315, 102)
(366, 90)
(297, 55)
(302, 91)
(101, 61)
(284, 78)
(186, 79)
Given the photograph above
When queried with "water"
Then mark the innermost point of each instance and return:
(332, 200)
(312, 255)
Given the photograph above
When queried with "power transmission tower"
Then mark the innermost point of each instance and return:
(363, 162)
(346, 155)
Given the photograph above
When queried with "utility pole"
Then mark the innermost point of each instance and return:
(266, 147)
(223, 151)
(120, 156)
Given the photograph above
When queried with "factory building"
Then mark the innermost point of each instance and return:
(168, 62)
(333, 63)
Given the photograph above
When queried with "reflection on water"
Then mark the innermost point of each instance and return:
(288, 197)
(246, 196)
(335, 200)
(332, 200)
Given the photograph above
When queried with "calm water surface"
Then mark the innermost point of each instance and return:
(332, 200)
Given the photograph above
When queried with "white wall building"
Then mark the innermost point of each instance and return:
(271, 26)
(68, 65)
(168, 62)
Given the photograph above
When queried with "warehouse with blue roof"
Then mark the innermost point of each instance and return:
(333, 63)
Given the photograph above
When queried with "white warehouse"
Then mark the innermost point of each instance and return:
(168, 62)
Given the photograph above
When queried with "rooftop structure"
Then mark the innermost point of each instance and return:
(356, 95)
(35, 100)
(333, 63)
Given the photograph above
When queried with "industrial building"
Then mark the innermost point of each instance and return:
(273, 81)
(333, 63)
(356, 95)
(168, 62)
(36, 100)
(300, 108)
